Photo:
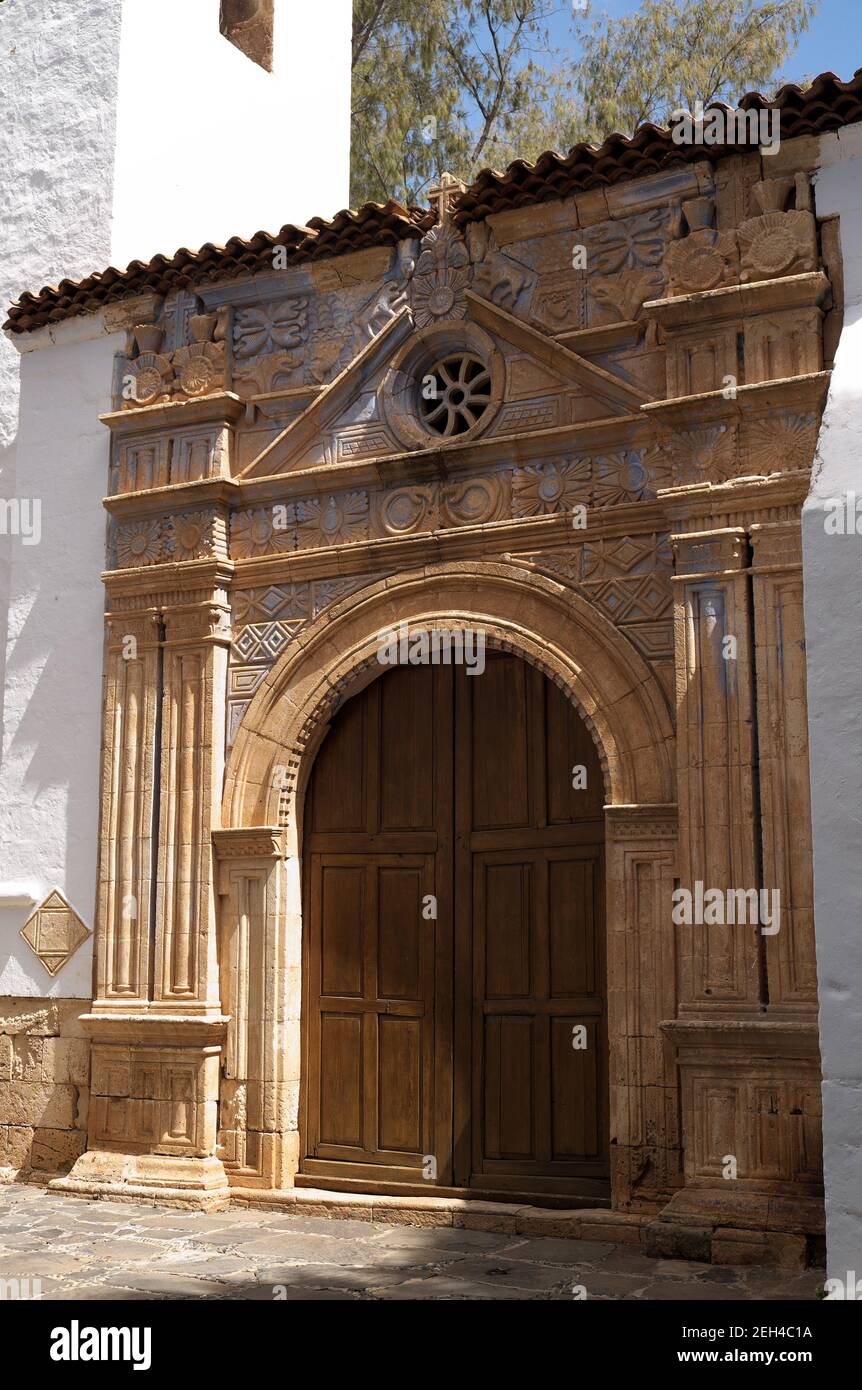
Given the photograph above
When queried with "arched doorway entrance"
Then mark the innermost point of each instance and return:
(454, 974)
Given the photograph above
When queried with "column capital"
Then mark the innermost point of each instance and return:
(249, 842)
(710, 553)
(643, 822)
(776, 545)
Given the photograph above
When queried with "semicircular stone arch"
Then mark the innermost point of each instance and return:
(519, 611)
(541, 620)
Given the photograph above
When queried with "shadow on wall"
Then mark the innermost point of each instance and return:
(8, 449)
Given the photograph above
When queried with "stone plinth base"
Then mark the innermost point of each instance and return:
(198, 1183)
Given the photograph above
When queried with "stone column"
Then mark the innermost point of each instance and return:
(129, 769)
(157, 1025)
(197, 638)
(745, 1034)
(721, 969)
(646, 1149)
(782, 730)
(258, 1137)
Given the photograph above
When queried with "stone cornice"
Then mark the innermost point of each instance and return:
(740, 498)
(806, 392)
(150, 1028)
(738, 301)
(221, 407)
(175, 497)
(618, 431)
(186, 577)
(603, 338)
(755, 1035)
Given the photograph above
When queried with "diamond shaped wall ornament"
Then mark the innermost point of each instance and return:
(54, 932)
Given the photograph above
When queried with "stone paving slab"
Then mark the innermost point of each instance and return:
(91, 1250)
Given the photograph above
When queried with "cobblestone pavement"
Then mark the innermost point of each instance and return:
(112, 1250)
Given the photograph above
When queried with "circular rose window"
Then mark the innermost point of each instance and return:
(454, 394)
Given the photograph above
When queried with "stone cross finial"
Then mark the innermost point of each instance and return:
(444, 195)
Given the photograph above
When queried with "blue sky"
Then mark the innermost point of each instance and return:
(833, 42)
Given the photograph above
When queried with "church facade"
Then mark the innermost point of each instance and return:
(455, 817)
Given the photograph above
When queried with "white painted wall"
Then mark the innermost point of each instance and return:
(58, 67)
(127, 128)
(833, 622)
(209, 144)
(51, 718)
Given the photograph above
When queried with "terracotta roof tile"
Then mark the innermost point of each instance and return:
(827, 104)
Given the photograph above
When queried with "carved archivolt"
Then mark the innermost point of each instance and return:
(527, 613)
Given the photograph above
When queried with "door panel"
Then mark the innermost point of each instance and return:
(376, 967)
(370, 1011)
(452, 1036)
(536, 982)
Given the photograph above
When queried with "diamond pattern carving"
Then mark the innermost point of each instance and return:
(54, 932)
(263, 641)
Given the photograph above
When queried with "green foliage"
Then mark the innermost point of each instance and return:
(673, 53)
(459, 85)
(443, 85)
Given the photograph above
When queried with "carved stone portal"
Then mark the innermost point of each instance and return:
(614, 497)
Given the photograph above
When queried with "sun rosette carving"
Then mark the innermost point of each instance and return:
(147, 380)
(776, 244)
(542, 489)
(622, 478)
(781, 442)
(140, 543)
(440, 279)
(261, 531)
(333, 520)
(704, 260)
(193, 535)
(704, 455)
(199, 368)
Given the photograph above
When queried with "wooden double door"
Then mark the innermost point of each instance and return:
(454, 1018)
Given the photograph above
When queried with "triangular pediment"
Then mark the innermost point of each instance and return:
(373, 407)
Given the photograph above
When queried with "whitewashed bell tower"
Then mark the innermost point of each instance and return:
(129, 128)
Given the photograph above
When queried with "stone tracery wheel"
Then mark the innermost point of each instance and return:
(454, 394)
